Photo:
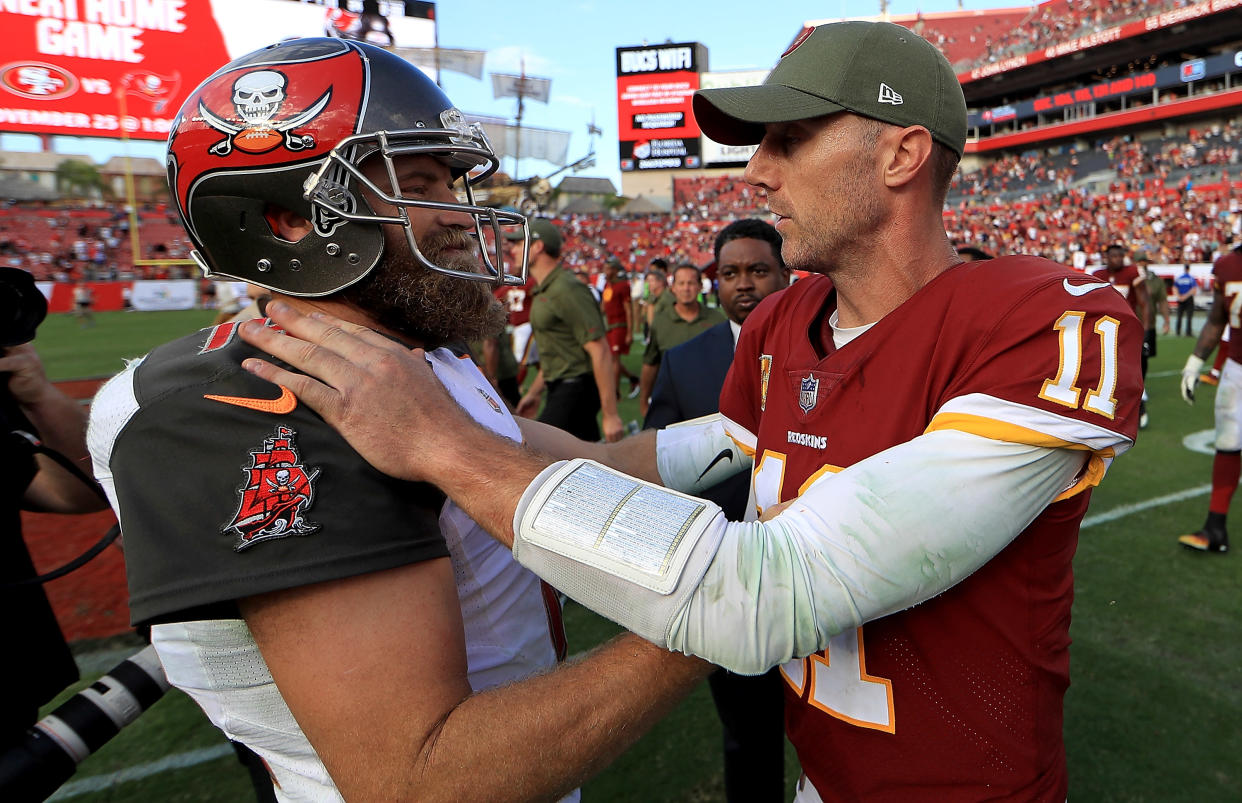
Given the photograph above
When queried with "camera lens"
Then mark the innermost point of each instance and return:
(22, 307)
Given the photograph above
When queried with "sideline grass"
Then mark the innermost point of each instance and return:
(1154, 712)
(71, 351)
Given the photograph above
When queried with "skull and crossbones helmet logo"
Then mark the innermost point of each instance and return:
(258, 95)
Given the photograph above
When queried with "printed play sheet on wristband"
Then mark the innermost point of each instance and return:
(609, 520)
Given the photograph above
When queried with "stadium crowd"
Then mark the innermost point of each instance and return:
(66, 242)
(1053, 21)
(1174, 198)
(1177, 198)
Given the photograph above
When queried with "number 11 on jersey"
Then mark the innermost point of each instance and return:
(840, 685)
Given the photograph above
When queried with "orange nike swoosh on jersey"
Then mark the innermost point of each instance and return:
(286, 402)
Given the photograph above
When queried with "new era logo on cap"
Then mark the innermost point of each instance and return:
(889, 95)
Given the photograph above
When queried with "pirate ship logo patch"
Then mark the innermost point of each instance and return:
(487, 397)
(278, 491)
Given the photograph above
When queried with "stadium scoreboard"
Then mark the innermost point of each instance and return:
(114, 68)
(655, 86)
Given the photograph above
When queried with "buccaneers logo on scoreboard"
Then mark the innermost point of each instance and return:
(276, 494)
(258, 97)
(152, 86)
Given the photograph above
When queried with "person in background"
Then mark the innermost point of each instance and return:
(1158, 295)
(1127, 279)
(83, 300)
(494, 356)
(1186, 288)
(674, 324)
(656, 282)
(1157, 303)
(970, 253)
(575, 362)
(517, 301)
(34, 417)
(244, 307)
(1212, 377)
(618, 310)
(751, 708)
(1213, 536)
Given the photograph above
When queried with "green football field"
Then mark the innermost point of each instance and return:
(1153, 713)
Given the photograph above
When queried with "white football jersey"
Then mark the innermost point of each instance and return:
(511, 631)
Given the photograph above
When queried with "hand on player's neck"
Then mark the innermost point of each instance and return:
(347, 312)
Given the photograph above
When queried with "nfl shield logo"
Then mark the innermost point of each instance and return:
(808, 393)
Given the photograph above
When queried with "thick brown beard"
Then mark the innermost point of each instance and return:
(429, 307)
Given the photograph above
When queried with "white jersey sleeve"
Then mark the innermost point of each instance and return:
(887, 533)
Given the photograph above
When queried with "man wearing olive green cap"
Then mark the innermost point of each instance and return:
(942, 390)
(575, 362)
(924, 431)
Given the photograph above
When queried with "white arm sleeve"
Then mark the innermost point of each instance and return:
(886, 533)
(694, 455)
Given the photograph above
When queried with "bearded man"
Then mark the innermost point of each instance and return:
(361, 634)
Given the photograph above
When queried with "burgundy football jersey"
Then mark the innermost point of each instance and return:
(613, 300)
(1227, 279)
(1122, 281)
(958, 698)
(516, 301)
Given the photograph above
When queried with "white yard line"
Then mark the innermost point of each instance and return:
(1138, 507)
(98, 783)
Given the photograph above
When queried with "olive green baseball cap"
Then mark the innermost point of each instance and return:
(543, 230)
(874, 69)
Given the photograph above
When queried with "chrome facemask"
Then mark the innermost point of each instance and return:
(465, 149)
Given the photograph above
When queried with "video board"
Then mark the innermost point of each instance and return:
(114, 68)
(656, 128)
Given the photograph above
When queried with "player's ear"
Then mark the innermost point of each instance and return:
(908, 152)
(286, 224)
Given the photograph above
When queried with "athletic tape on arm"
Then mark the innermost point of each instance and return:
(887, 533)
(627, 549)
(694, 455)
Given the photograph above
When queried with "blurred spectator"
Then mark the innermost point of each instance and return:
(674, 324)
(1186, 288)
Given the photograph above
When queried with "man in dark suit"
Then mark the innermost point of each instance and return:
(751, 709)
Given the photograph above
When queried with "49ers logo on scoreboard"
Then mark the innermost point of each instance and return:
(258, 97)
(35, 80)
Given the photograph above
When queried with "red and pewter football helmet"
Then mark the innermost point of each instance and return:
(288, 126)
